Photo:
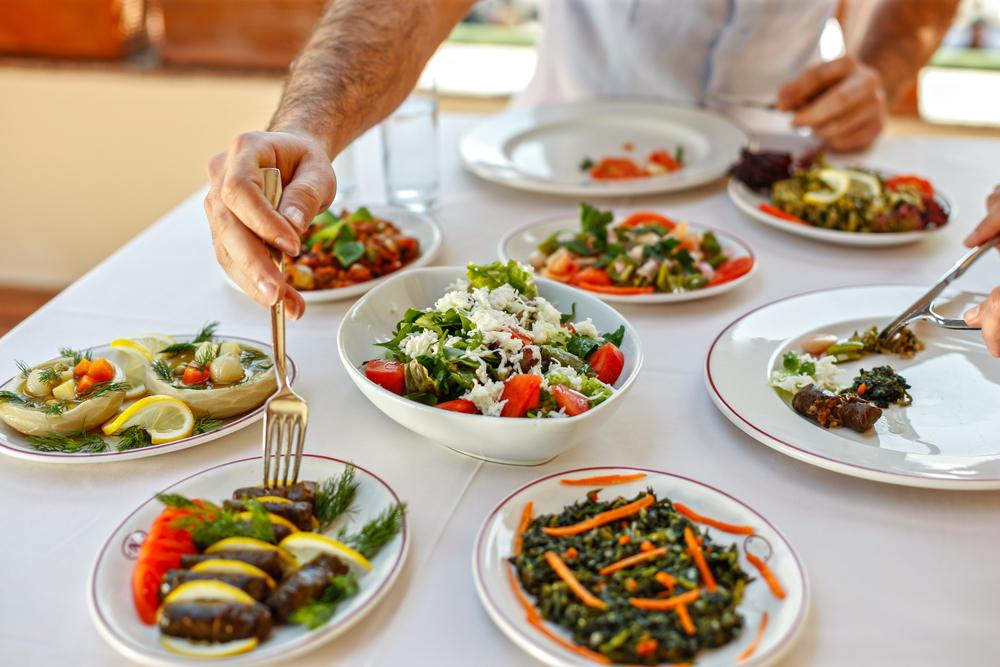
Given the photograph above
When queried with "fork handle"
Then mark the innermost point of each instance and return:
(272, 191)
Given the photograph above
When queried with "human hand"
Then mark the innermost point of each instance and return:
(843, 101)
(244, 223)
(990, 225)
(987, 314)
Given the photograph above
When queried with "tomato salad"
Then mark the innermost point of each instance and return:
(494, 347)
(657, 163)
(353, 248)
(645, 253)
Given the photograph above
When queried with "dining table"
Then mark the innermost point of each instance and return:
(897, 575)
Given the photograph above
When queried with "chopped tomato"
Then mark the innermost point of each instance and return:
(771, 209)
(161, 551)
(621, 291)
(613, 168)
(522, 336)
(593, 276)
(665, 160)
(84, 385)
(389, 375)
(572, 401)
(731, 270)
(608, 362)
(193, 376)
(100, 370)
(459, 405)
(563, 265)
(643, 218)
(81, 368)
(921, 184)
(522, 393)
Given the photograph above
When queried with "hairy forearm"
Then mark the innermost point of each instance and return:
(901, 37)
(362, 60)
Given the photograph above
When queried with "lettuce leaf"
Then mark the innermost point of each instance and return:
(492, 276)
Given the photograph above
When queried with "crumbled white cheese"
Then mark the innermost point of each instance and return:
(547, 312)
(586, 328)
(416, 344)
(504, 339)
(567, 374)
(542, 332)
(453, 299)
(826, 376)
(486, 396)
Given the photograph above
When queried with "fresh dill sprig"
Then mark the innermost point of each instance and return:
(335, 496)
(205, 424)
(204, 358)
(53, 408)
(177, 348)
(206, 332)
(102, 388)
(76, 355)
(134, 437)
(210, 523)
(15, 398)
(50, 375)
(163, 370)
(73, 443)
(377, 533)
(319, 611)
(23, 369)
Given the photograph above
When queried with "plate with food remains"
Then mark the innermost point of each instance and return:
(346, 253)
(630, 566)
(838, 203)
(136, 397)
(808, 376)
(214, 569)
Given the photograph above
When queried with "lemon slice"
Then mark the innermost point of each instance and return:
(209, 591)
(165, 418)
(306, 546)
(227, 566)
(271, 499)
(838, 183)
(863, 184)
(275, 519)
(190, 649)
(251, 544)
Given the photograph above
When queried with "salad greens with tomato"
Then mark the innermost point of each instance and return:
(493, 346)
(646, 253)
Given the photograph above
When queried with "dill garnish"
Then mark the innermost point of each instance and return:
(178, 348)
(163, 370)
(378, 532)
(76, 355)
(73, 443)
(204, 358)
(15, 398)
(206, 332)
(53, 408)
(134, 437)
(102, 388)
(22, 368)
(205, 424)
(49, 375)
(335, 496)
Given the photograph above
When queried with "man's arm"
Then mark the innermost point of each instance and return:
(362, 60)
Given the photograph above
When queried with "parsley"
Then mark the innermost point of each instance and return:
(595, 222)
(209, 523)
(586, 164)
(319, 611)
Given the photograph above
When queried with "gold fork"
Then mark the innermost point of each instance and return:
(287, 413)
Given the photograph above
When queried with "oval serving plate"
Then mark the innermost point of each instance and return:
(549, 495)
(109, 588)
(519, 243)
(16, 445)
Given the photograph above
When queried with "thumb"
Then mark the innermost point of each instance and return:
(974, 316)
(310, 191)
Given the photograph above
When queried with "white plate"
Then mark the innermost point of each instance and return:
(110, 594)
(540, 149)
(515, 441)
(749, 202)
(786, 617)
(421, 226)
(519, 243)
(946, 439)
(16, 444)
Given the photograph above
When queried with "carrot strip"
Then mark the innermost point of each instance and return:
(686, 511)
(576, 648)
(560, 568)
(529, 609)
(522, 526)
(602, 480)
(631, 560)
(770, 209)
(602, 518)
(666, 580)
(686, 622)
(699, 558)
(655, 604)
(623, 291)
(769, 576)
(749, 650)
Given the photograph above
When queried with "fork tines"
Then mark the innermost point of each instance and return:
(285, 434)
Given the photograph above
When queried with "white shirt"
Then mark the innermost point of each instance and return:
(676, 50)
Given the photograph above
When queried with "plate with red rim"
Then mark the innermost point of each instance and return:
(16, 445)
(519, 243)
(550, 494)
(109, 586)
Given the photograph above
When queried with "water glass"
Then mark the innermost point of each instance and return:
(345, 166)
(409, 153)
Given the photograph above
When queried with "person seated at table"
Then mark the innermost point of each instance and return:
(365, 56)
(987, 314)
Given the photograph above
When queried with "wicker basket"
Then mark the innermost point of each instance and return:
(102, 29)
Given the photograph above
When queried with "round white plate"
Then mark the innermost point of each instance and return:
(540, 149)
(749, 202)
(946, 439)
(519, 243)
(786, 617)
(16, 444)
(110, 594)
(421, 226)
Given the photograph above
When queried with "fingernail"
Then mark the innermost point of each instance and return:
(972, 313)
(292, 309)
(288, 246)
(268, 290)
(295, 216)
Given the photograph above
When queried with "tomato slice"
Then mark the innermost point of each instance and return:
(612, 168)
(570, 400)
(731, 270)
(387, 374)
(921, 184)
(612, 289)
(459, 405)
(643, 218)
(594, 276)
(522, 336)
(160, 552)
(522, 393)
(665, 160)
(608, 362)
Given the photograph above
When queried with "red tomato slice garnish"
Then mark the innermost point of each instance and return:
(522, 393)
(570, 400)
(608, 362)
(731, 270)
(613, 168)
(459, 405)
(643, 218)
(387, 374)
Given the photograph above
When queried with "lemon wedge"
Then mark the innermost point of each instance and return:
(165, 418)
(863, 184)
(275, 519)
(225, 566)
(306, 546)
(190, 649)
(251, 544)
(837, 182)
(272, 499)
(209, 591)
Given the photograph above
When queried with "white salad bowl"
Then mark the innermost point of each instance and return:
(503, 440)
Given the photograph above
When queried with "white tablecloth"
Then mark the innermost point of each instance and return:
(900, 576)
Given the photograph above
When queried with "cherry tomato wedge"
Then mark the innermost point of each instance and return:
(387, 374)
(593, 276)
(459, 405)
(608, 362)
(193, 376)
(731, 270)
(522, 393)
(570, 400)
(643, 218)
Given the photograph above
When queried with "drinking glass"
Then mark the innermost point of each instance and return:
(409, 153)
(345, 166)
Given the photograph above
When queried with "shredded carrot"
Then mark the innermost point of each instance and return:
(654, 604)
(571, 553)
(686, 622)
(686, 511)
(560, 568)
(529, 609)
(769, 577)
(699, 558)
(522, 526)
(602, 518)
(666, 580)
(752, 647)
(576, 648)
(632, 560)
(624, 539)
(603, 480)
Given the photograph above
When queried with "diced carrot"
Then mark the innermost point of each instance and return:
(752, 646)
(81, 368)
(666, 580)
(646, 546)
(655, 604)
(571, 554)
(600, 519)
(699, 558)
(768, 575)
(564, 573)
(686, 511)
(101, 371)
(602, 480)
(624, 539)
(640, 557)
(84, 385)
(646, 647)
(522, 526)
(193, 376)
